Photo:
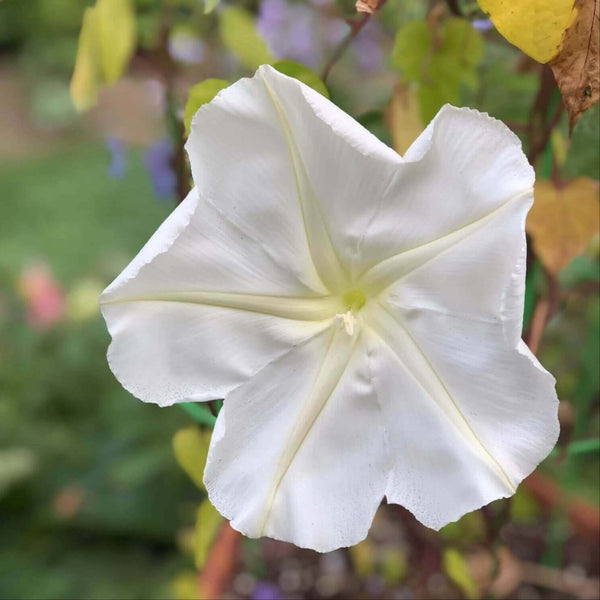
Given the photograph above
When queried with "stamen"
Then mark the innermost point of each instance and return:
(349, 321)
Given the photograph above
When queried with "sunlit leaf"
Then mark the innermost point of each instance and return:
(208, 522)
(191, 448)
(534, 26)
(303, 74)
(240, 36)
(200, 94)
(456, 568)
(563, 221)
(210, 5)
(116, 36)
(576, 65)
(85, 81)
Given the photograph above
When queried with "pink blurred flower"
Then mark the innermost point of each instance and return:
(43, 295)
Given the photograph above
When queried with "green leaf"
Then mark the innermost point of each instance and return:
(199, 412)
(117, 34)
(191, 449)
(200, 94)
(456, 568)
(440, 63)
(240, 36)
(582, 156)
(303, 74)
(208, 523)
(413, 44)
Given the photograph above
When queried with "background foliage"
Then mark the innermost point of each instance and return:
(97, 492)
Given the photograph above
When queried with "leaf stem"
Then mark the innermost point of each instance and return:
(355, 29)
(578, 448)
(199, 412)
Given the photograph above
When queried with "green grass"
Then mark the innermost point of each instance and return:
(60, 403)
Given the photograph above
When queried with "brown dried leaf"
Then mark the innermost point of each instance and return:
(366, 6)
(563, 221)
(576, 65)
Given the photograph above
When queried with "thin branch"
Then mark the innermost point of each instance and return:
(542, 313)
(355, 28)
(546, 133)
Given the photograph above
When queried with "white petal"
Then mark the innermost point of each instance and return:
(464, 167)
(298, 453)
(326, 170)
(477, 272)
(468, 416)
(203, 307)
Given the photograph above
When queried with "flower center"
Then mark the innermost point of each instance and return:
(353, 301)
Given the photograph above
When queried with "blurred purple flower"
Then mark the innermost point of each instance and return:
(158, 161)
(297, 32)
(367, 48)
(290, 31)
(118, 157)
(265, 590)
(482, 24)
(186, 47)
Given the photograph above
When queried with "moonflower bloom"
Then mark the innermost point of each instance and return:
(359, 312)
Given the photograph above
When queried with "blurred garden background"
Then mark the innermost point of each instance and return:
(97, 493)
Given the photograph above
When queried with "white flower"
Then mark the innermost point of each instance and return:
(359, 312)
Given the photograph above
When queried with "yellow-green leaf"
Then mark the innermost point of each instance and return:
(208, 523)
(184, 586)
(85, 81)
(362, 556)
(456, 568)
(200, 94)
(303, 74)
(240, 36)
(116, 36)
(534, 26)
(563, 221)
(191, 449)
(210, 5)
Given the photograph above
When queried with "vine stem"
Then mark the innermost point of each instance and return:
(355, 28)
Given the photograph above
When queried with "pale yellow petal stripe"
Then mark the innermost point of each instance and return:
(326, 261)
(332, 369)
(394, 268)
(299, 309)
(395, 334)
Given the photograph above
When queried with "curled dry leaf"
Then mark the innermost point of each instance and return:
(576, 65)
(366, 6)
(563, 221)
